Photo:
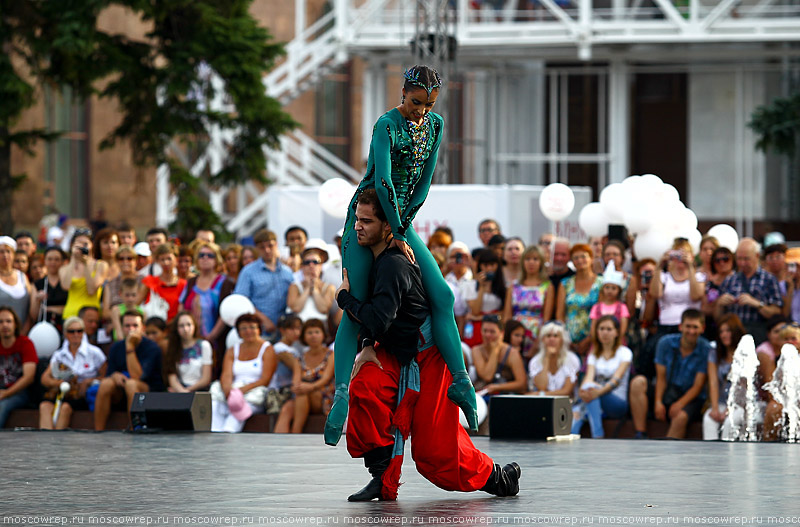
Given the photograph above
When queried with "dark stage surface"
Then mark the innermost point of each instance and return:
(266, 479)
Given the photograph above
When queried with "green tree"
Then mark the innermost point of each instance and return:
(778, 126)
(194, 51)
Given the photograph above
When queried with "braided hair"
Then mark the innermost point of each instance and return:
(423, 77)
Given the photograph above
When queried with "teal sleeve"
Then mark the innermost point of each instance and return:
(424, 185)
(382, 155)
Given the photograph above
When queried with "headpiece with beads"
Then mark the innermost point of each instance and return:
(423, 77)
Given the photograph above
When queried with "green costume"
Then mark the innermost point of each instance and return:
(402, 159)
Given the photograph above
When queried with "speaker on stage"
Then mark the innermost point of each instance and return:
(529, 416)
(172, 411)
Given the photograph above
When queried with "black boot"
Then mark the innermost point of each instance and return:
(504, 481)
(376, 461)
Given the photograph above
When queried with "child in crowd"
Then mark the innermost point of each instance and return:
(314, 393)
(189, 359)
(155, 328)
(280, 398)
(129, 291)
(610, 302)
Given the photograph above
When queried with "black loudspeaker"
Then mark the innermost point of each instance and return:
(529, 416)
(171, 411)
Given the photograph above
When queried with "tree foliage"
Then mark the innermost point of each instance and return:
(193, 52)
(778, 125)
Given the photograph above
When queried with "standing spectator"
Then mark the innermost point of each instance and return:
(498, 245)
(486, 297)
(105, 245)
(676, 290)
(232, 258)
(546, 245)
(21, 261)
(530, 301)
(512, 260)
(720, 359)
(134, 366)
(266, 282)
(129, 293)
(554, 370)
(205, 292)
(143, 258)
(439, 242)
(486, 229)
(188, 360)
(167, 286)
(91, 322)
(296, 238)
(708, 245)
(249, 255)
(752, 294)
(604, 390)
(597, 243)
(183, 267)
(126, 234)
(610, 300)
(77, 362)
(681, 366)
(314, 394)
(154, 238)
(36, 270)
(614, 251)
(775, 264)
(15, 290)
(83, 276)
(577, 296)
(17, 362)
(332, 273)
(246, 371)
(498, 365)
(25, 243)
(112, 292)
(309, 297)
(460, 279)
(205, 235)
(722, 266)
(559, 268)
(49, 288)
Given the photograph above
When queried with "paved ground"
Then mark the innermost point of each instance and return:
(114, 478)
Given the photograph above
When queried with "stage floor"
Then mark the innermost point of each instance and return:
(113, 478)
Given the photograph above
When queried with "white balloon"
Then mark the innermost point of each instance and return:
(612, 198)
(45, 339)
(234, 306)
(652, 244)
(232, 338)
(334, 196)
(556, 201)
(483, 411)
(651, 181)
(593, 220)
(725, 235)
(688, 220)
(695, 237)
(635, 189)
(638, 216)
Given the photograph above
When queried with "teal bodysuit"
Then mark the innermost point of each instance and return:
(402, 159)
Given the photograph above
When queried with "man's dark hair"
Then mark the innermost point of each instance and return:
(370, 197)
(693, 314)
(135, 313)
(82, 311)
(124, 226)
(295, 228)
(775, 248)
(23, 234)
(158, 322)
(157, 230)
(17, 324)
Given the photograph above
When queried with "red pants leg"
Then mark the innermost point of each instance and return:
(441, 448)
(373, 399)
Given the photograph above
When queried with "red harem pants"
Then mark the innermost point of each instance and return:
(441, 448)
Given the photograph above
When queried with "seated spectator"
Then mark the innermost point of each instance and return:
(610, 301)
(723, 264)
(530, 300)
(183, 267)
(775, 264)
(576, 296)
(309, 297)
(498, 365)
(314, 394)
(21, 261)
(77, 362)
(554, 370)
(83, 277)
(205, 292)
(17, 361)
(189, 359)
(681, 367)
(720, 359)
(752, 294)
(246, 371)
(485, 297)
(155, 328)
(771, 348)
(232, 259)
(678, 289)
(161, 294)
(25, 243)
(91, 322)
(773, 415)
(249, 255)
(296, 238)
(514, 336)
(15, 290)
(266, 282)
(604, 390)
(134, 366)
(104, 247)
(49, 290)
(36, 270)
(512, 260)
(288, 373)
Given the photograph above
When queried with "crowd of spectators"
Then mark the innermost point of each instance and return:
(619, 335)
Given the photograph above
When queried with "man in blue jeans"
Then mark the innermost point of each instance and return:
(17, 364)
(681, 370)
